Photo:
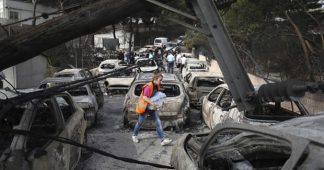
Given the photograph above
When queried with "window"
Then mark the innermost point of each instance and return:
(108, 66)
(13, 15)
(66, 106)
(158, 41)
(146, 63)
(81, 91)
(64, 75)
(170, 90)
(225, 100)
(214, 95)
(43, 123)
(230, 148)
(208, 82)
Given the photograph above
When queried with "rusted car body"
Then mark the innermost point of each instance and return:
(83, 96)
(219, 107)
(174, 112)
(106, 67)
(199, 84)
(194, 65)
(119, 85)
(147, 65)
(294, 144)
(77, 74)
(55, 116)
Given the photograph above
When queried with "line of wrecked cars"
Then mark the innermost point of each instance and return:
(63, 115)
(57, 116)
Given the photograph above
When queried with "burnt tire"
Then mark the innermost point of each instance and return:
(95, 122)
(187, 118)
(125, 121)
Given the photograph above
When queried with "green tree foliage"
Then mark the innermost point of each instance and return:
(264, 29)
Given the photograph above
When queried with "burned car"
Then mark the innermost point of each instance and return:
(78, 74)
(194, 65)
(199, 84)
(83, 96)
(147, 65)
(219, 107)
(106, 67)
(174, 112)
(119, 83)
(56, 116)
(294, 144)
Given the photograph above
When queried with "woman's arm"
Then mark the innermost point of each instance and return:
(150, 102)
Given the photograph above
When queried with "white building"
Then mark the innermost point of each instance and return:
(122, 37)
(29, 73)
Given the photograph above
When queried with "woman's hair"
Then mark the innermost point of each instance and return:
(157, 74)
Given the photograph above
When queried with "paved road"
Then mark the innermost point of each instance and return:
(109, 135)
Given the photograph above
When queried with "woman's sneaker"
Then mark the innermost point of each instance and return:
(135, 139)
(166, 141)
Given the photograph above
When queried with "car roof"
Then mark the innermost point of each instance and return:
(110, 61)
(206, 74)
(149, 76)
(59, 79)
(75, 70)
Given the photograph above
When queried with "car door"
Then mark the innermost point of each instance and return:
(191, 90)
(209, 103)
(48, 154)
(95, 87)
(224, 101)
(75, 126)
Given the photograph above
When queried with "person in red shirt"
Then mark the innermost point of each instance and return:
(148, 91)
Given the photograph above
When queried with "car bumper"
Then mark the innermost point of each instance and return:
(166, 121)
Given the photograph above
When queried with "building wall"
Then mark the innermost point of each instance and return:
(25, 10)
(1, 8)
(31, 72)
(34, 75)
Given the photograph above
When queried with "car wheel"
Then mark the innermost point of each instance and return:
(125, 121)
(96, 119)
(186, 118)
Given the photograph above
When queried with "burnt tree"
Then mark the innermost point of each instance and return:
(25, 45)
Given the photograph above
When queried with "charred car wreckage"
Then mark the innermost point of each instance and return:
(83, 96)
(199, 84)
(56, 116)
(294, 143)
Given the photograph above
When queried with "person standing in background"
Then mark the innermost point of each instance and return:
(170, 62)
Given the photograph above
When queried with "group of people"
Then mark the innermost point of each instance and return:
(179, 60)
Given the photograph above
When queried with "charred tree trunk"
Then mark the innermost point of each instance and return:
(26, 45)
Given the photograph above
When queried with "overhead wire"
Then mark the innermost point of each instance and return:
(24, 97)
